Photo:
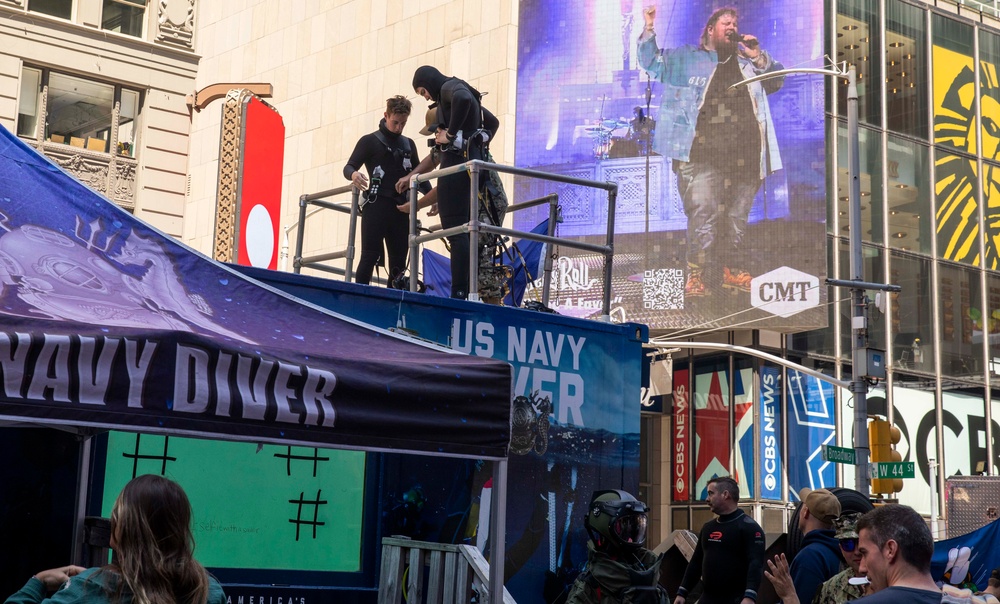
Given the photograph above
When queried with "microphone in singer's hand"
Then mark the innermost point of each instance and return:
(735, 38)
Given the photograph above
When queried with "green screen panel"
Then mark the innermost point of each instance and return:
(255, 506)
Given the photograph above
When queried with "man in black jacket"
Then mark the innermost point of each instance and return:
(387, 156)
(729, 557)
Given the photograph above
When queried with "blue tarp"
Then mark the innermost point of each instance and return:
(524, 258)
(106, 322)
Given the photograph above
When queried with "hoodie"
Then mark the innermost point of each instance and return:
(819, 559)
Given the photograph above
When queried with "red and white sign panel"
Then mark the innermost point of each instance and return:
(259, 200)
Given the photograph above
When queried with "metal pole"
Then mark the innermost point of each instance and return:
(498, 529)
(474, 232)
(934, 513)
(859, 319)
(547, 281)
(414, 245)
(299, 237)
(609, 256)
(352, 228)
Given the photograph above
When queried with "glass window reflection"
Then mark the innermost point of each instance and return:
(857, 43)
(870, 160)
(905, 72)
(959, 296)
(909, 195)
(911, 312)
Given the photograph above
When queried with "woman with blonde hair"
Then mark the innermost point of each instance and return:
(153, 563)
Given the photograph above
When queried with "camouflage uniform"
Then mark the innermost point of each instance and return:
(837, 590)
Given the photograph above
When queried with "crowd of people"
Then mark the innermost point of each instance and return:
(879, 557)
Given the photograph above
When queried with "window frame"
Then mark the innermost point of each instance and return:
(113, 146)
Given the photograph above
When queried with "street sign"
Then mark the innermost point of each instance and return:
(839, 454)
(892, 469)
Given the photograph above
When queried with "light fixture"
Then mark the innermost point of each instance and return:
(896, 44)
(849, 27)
(902, 186)
(899, 235)
(851, 46)
(865, 193)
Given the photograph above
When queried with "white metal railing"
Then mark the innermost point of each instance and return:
(419, 572)
(474, 227)
(475, 167)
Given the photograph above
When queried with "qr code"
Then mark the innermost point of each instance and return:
(663, 289)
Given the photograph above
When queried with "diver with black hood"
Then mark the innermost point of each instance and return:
(461, 138)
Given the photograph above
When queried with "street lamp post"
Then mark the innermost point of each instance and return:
(857, 285)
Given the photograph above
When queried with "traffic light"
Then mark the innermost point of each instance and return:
(882, 440)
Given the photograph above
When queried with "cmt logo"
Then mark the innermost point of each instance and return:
(784, 291)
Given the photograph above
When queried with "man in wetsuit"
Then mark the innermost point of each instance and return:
(729, 557)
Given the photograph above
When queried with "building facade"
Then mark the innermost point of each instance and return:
(99, 86)
(928, 106)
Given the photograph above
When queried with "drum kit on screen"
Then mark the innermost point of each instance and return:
(618, 138)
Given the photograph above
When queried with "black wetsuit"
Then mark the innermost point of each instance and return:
(381, 221)
(729, 559)
(460, 111)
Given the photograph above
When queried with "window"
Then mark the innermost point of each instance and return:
(905, 69)
(859, 46)
(909, 195)
(78, 111)
(124, 16)
(57, 8)
(911, 332)
(27, 106)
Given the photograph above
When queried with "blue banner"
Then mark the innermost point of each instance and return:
(812, 415)
(769, 420)
(968, 560)
(575, 422)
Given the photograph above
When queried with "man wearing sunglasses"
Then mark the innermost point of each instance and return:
(849, 584)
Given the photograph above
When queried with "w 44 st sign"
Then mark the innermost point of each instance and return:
(892, 469)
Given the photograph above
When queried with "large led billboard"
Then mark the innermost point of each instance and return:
(720, 211)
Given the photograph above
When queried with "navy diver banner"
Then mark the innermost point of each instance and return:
(108, 322)
(720, 214)
(575, 425)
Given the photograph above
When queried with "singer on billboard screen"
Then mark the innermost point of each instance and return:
(720, 215)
